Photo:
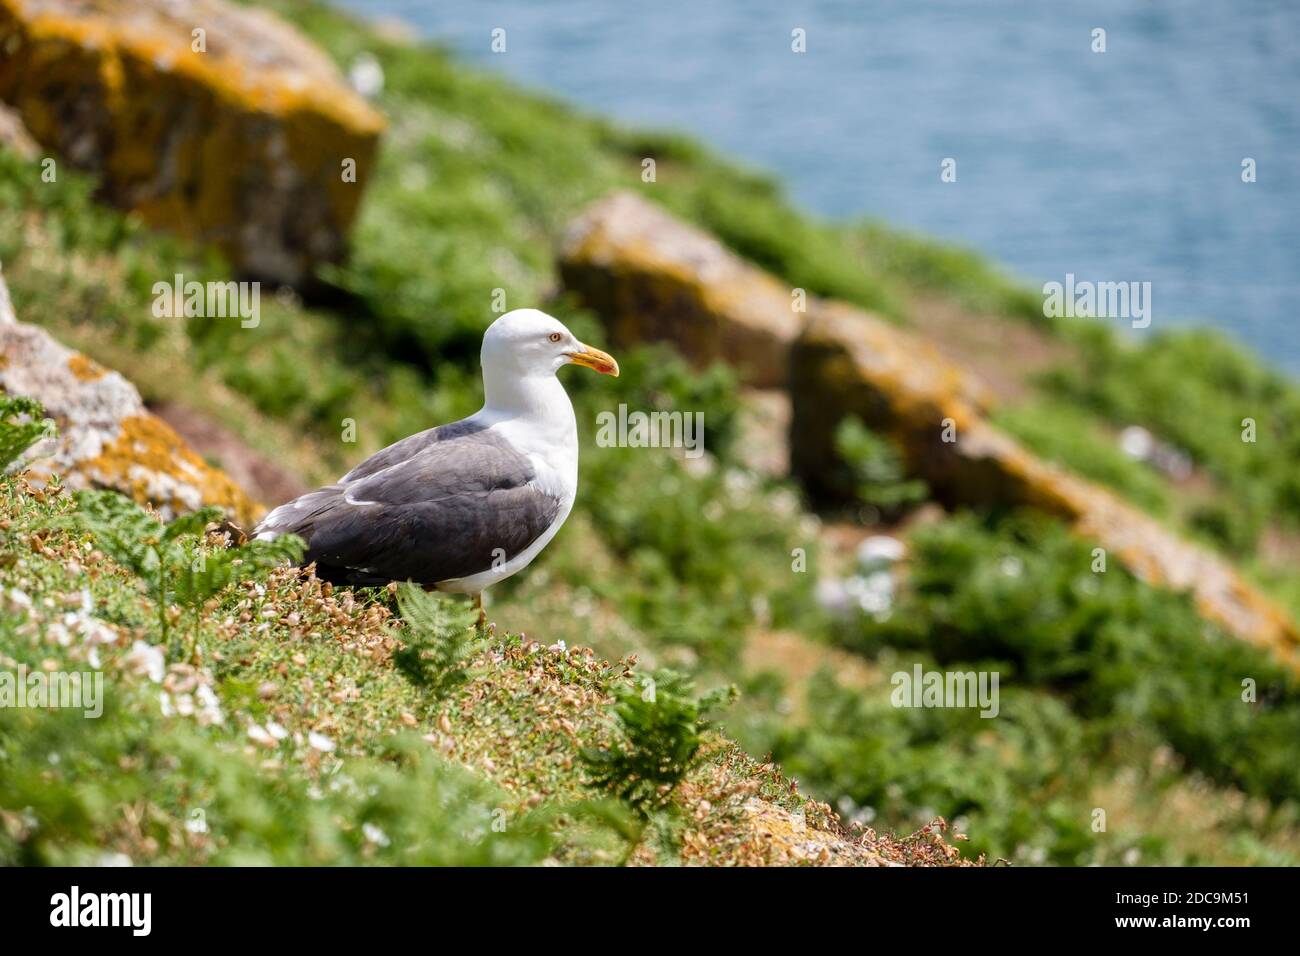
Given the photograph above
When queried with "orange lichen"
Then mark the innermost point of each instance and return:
(657, 279)
(149, 461)
(86, 369)
(846, 363)
(181, 136)
(167, 41)
(654, 277)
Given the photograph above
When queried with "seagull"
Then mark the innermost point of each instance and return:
(462, 506)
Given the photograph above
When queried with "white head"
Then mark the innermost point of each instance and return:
(527, 344)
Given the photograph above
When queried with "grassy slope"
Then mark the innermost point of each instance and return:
(366, 765)
(476, 182)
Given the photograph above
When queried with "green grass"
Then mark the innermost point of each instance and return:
(1098, 672)
(1061, 433)
(195, 787)
(290, 732)
(1195, 389)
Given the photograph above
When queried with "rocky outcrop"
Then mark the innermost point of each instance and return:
(263, 477)
(106, 437)
(899, 385)
(654, 278)
(847, 363)
(235, 135)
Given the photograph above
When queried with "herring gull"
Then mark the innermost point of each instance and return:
(461, 506)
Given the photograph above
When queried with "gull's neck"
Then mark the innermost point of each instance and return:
(534, 414)
(538, 400)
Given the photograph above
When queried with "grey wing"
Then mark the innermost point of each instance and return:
(412, 445)
(448, 511)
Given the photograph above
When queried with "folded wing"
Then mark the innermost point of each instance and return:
(443, 504)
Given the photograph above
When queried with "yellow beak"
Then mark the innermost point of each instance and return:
(601, 362)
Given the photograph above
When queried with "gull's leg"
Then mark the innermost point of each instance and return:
(478, 606)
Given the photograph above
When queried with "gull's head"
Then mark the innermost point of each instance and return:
(527, 342)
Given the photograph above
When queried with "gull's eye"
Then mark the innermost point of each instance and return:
(555, 336)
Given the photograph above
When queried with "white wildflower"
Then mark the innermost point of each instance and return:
(58, 632)
(366, 75)
(873, 593)
(209, 712)
(1136, 442)
(880, 549)
(833, 596)
(92, 630)
(146, 659)
(740, 483)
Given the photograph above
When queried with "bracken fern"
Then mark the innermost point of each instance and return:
(440, 639)
(658, 729)
(171, 560)
(16, 436)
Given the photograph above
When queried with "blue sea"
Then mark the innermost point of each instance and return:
(1117, 166)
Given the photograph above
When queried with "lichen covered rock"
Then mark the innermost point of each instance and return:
(654, 278)
(847, 363)
(240, 143)
(106, 437)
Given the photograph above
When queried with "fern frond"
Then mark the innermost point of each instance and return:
(440, 639)
(121, 529)
(658, 729)
(17, 436)
(190, 524)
